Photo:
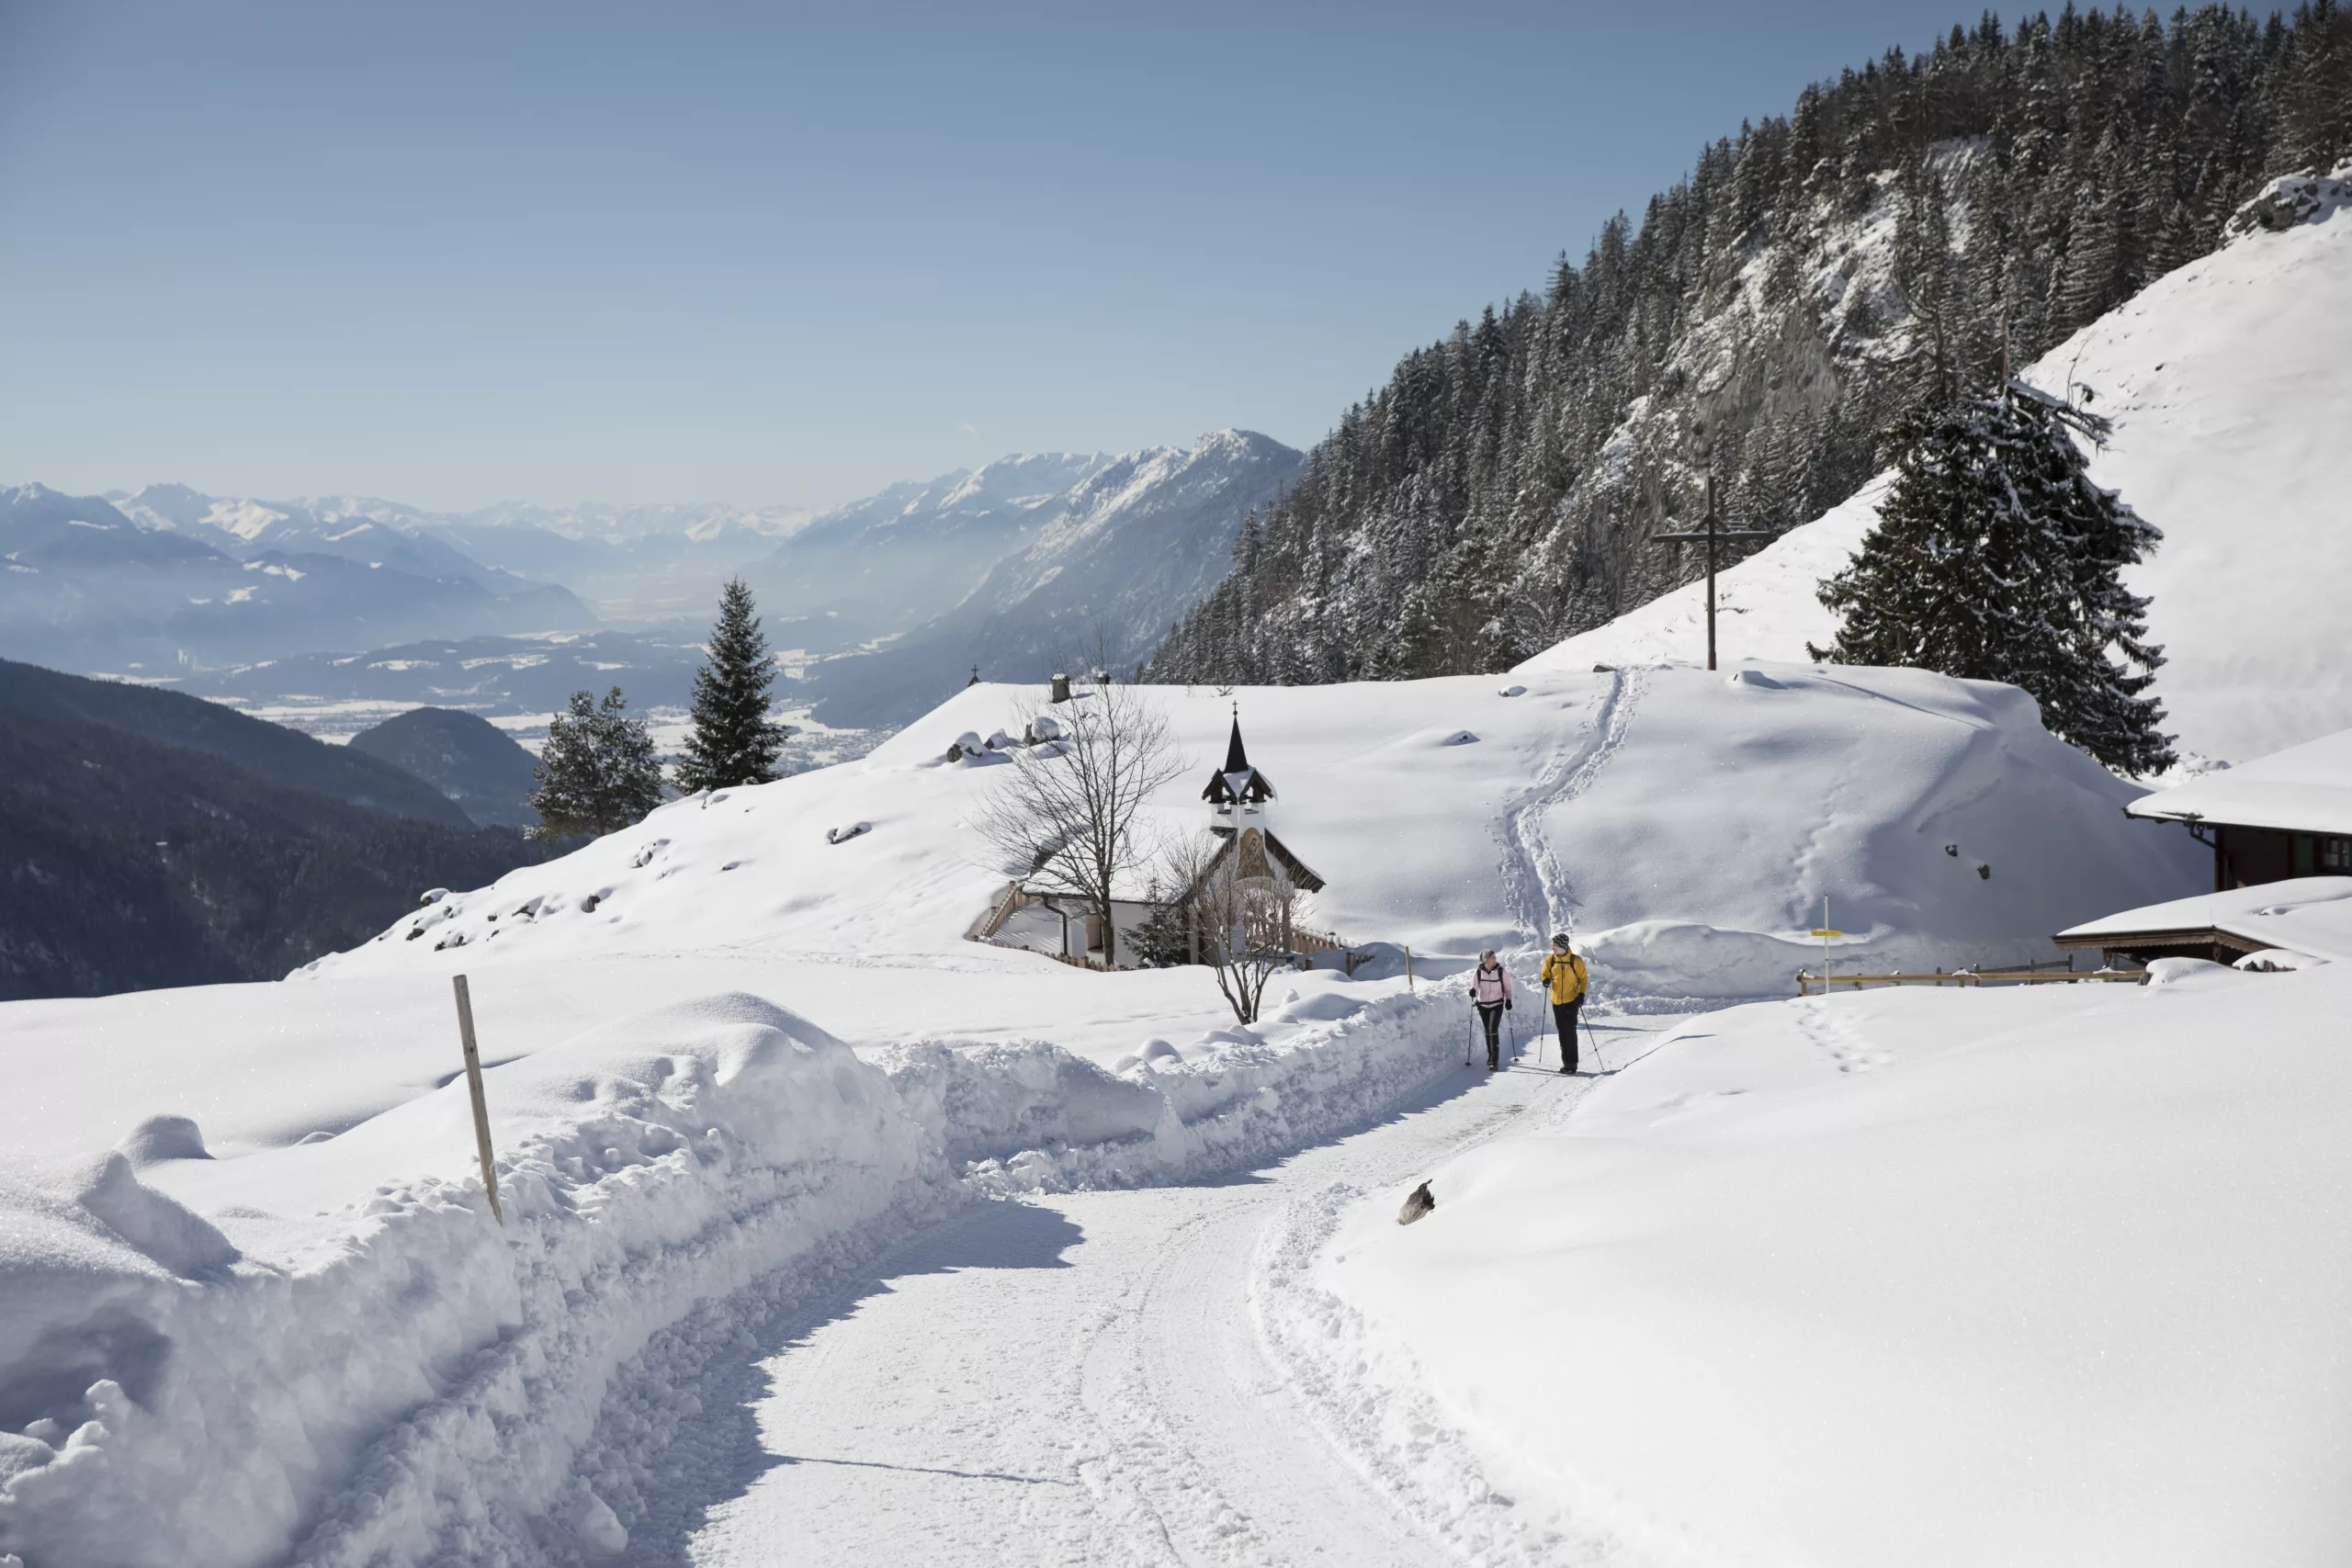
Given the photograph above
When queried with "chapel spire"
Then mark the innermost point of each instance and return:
(1238, 783)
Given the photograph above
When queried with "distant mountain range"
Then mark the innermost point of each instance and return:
(883, 604)
(897, 558)
(1097, 573)
(88, 585)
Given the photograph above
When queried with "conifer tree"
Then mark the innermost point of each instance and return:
(733, 742)
(597, 772)
(1996, 558)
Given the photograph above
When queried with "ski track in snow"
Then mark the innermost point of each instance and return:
(1530, 866)
(1097, 1379)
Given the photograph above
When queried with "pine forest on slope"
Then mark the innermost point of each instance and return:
(1812, 284)
(2226, 381)
(156, 840)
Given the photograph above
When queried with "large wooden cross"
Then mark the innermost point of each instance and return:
(1710, 535)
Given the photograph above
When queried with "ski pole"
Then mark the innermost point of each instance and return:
(1598, 1064)
(1471, 1045)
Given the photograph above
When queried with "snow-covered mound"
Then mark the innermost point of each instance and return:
(2048, 1277)
(2230, 384)
(1698, 819)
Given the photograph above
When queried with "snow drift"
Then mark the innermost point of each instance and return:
(397, 1379)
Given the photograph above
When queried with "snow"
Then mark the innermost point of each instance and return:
(2229, 382)
(2038, 1276)
(323, 1346)
(1081, 1379)
(2307, 914)
(1609, 801)
(809, 1057)
(2305, 788)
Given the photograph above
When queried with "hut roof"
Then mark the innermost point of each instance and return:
(2305, 788)
(2309, 914)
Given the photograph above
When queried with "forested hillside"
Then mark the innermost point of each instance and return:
(147, 839)
(1811, 283)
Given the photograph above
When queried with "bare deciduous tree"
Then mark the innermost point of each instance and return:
(1066, 819)
(1242, 910)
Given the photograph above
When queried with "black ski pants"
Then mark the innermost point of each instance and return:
(1564, 1022)
(1491, 1015)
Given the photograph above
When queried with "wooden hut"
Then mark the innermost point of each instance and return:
(2283, 815)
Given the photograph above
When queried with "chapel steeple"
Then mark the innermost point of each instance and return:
(1238, 783)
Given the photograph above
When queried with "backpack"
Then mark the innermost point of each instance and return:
(1552, 969)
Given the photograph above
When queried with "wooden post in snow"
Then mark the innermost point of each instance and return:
(473, 1087)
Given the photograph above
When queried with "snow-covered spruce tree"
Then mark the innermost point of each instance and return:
(597, 772)
(733, 742)
(1996, 558)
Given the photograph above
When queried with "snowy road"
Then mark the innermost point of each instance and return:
(1077, 1380)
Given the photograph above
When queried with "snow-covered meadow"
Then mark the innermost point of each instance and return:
(2047, 1276)
(1688, 822)
(263, 1309)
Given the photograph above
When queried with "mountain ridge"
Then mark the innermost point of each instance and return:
(1127, 550)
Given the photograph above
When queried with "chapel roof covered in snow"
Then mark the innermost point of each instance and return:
(1238, 782)
(2305, 789)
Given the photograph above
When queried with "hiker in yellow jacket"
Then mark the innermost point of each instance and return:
(1564, 974)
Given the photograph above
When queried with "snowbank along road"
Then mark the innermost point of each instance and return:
(1090, 1378)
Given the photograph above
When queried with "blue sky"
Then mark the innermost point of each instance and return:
(455, 254)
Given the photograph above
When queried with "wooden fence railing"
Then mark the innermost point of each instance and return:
(2036, 977)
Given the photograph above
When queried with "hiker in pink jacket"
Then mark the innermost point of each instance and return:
(1490, 990)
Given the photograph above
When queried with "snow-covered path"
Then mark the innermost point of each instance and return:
(1077, 1380)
